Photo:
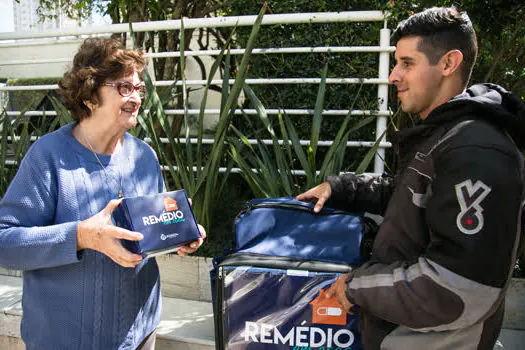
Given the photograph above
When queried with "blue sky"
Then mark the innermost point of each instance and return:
(6, 16)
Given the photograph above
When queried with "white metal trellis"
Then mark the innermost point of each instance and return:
(57, 36)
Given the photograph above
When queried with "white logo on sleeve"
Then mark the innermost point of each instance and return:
(418, 199)
(470, 196)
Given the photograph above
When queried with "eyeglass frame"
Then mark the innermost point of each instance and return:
(118, 85)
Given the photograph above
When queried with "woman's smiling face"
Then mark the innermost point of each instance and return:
(116, 109)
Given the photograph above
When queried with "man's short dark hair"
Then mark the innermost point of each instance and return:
(442, 29)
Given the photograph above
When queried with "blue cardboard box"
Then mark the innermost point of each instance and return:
(166, 221)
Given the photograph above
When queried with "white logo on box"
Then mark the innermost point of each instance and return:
(169, 236)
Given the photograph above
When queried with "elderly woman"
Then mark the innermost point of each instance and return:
(82, 289)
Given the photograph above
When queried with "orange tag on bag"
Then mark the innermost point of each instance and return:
(327, 310)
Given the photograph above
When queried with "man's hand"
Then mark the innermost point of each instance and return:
(337, 289)
(317, 195)
(99, 233)
(193, 246)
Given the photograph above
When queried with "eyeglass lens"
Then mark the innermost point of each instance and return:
(126, 89)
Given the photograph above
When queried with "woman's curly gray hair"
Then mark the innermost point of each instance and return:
(97, 61)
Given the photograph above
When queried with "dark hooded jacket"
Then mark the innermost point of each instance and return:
(445, 251)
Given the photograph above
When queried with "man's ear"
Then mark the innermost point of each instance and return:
(451, 62)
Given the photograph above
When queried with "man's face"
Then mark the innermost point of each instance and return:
(418, 83)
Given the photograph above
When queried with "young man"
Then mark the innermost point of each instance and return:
(446, 249)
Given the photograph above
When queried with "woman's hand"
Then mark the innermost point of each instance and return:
(317, 195)
(193, 246)
(99, 233)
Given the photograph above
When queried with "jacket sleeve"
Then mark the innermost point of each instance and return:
(472, 218)
(28, 238)
(361, 192)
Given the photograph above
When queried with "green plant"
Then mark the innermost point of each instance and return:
(312, 65)
(17, 135)
(269, 170)
(188, 166)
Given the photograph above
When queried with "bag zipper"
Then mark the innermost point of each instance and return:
(290, 206)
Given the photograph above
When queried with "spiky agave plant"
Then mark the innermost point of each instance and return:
(18, 133)
(268, 169)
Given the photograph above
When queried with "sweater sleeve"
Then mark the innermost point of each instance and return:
(472, 217)
(28, 238)
(361, 192)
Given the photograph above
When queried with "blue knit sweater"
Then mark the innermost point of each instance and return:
(77, 300)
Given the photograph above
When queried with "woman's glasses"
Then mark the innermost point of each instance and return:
(125, 88)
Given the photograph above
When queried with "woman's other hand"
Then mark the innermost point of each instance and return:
(193, 246)
(99, 233)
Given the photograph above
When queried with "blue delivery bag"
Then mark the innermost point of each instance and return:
(287, 227)
(281, 307)
(269, 292)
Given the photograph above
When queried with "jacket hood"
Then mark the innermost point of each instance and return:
(489, 102)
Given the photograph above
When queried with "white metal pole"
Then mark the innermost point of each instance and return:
(214, 22)
(216, 111)
(257, 81)
(273, 50)
(382, 94)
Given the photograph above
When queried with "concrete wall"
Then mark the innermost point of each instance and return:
(33, 51)
(185, 277)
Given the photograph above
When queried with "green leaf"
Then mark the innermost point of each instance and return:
(318, 113)
(261, 111)
(369, 155)
(330, 165)
(226, 114)
(189, 148)
(296, 144)
(286, 138)
(211, 74)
